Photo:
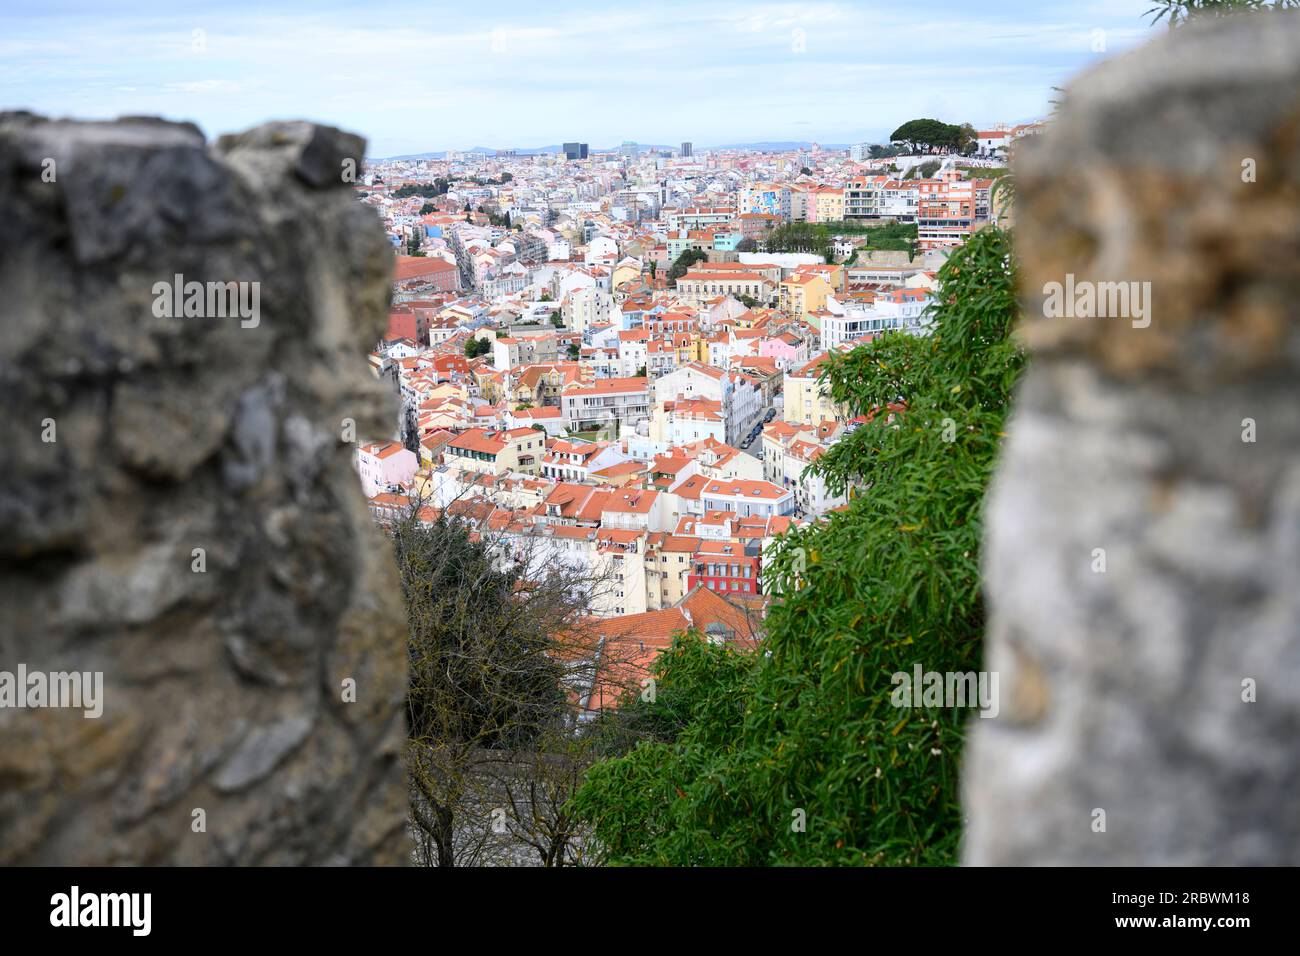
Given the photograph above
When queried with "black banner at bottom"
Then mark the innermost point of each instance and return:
(370, 905)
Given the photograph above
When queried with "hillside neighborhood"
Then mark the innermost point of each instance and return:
(612, 360)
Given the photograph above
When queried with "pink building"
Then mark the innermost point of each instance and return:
(384, 463)
(788, 349)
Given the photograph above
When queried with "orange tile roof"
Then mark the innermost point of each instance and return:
(633, 384)
(749, 489)
(639, 501)
(384, 449)
(411, 267)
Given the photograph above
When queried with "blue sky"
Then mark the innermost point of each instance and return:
(433, 75)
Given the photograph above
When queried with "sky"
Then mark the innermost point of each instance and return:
(414, 77)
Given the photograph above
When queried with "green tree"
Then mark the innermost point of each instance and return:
(662, 745)
(926, 133)
(684, 262)
(436, 188)
(800, 237)
(476, 347)
(812, 731)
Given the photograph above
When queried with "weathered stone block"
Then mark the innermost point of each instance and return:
(179, 509)
(1143, 547)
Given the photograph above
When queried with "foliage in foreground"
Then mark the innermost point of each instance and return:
(1178, 12)
(806, 731)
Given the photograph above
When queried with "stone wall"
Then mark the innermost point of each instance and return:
(178, 510)
(1143, 544)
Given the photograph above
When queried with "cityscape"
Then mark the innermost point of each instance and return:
(624, 348)
(767, 436)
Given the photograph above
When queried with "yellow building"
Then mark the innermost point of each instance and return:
(495, 453)
(667, 569)
(807, 400)
(804, 293)
(629, 270)
(830, 204)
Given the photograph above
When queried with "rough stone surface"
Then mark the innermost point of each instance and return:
(223, 689)
(1122, 690)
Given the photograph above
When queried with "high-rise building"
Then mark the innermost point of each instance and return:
(629, 149)
(858, 153)
(688, 150)
(575, 150)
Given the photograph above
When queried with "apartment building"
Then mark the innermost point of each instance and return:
(826, 204)
(727, 567)
(806, 399)
(618, 567)
(692, 380)
(777, 437)
(686, 420)
(803, 293)
(632, 351)
(865, 314)
(949, 211)
(569, 460)
(669, 562)
(770, 199)
(698, 217)
(747, 498)
(607, 402)
(707, 282)
(384, 464)
(509, 352)
(879, 197)
(491, 452)
(811, 492)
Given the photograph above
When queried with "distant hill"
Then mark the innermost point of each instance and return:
(774, 146)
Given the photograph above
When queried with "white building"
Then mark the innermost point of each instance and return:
(606, 402)
(748, 498)
(682, 421)
(900, 310)
(587, 306)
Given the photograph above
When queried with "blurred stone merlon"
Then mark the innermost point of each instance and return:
(179, 510)
(1176, 164)
(1142, 552)
(321, 156)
